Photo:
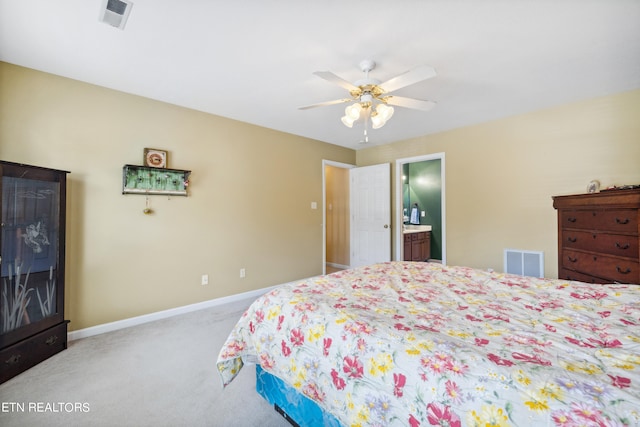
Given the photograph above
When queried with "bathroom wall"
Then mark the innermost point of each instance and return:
(424, 187)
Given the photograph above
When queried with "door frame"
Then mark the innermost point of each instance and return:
(399, 202)
(324, 209)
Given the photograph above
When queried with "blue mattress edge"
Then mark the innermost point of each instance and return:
(296, 408)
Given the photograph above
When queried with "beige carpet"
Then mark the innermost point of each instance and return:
(157, 374)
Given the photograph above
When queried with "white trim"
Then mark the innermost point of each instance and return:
(398, 225)
(146, 318)
(324, 210)
(340, 266)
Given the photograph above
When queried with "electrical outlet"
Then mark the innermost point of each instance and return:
(242, 273)
(205, 279)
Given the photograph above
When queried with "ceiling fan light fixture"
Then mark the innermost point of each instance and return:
(351, 114)
(381, 115)
(353, 111)
(366, 98)
(377, 121)
(385, 111)
(369, 97)
(348, 121)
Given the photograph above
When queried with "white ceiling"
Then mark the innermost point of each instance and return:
(253, 60)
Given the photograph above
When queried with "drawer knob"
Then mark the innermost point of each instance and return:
(572, 219)
(619, 246)
(572, 239)
(622, 221)
(51, 340)
(627, 271)
(13, 359)
(572, 259)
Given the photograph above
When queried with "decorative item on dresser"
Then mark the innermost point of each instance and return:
(598, 236)
(32, 251)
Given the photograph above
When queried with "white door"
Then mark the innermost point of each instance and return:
(370, 202)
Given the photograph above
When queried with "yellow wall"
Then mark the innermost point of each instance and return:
(337, 215)
(500, 176)
(249, 204)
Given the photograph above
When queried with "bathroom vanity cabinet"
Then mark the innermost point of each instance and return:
(417, 246)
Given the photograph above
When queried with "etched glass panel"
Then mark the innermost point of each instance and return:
(30, 221)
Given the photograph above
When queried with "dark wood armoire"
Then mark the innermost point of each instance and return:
(32, 250)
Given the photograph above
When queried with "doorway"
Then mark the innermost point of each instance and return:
(335, 219)
(432, 162)
(356, 223)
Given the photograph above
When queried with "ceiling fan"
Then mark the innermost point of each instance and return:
(372, 100)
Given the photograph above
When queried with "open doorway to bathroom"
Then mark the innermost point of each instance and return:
(420, 190)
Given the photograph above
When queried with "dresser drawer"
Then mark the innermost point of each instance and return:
(31, 351)
(610, 268)
(613, 244)
(620, 220)
(580, 277)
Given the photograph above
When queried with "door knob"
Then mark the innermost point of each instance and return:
(386, 226)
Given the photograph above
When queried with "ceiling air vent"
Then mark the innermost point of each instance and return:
(115, 12)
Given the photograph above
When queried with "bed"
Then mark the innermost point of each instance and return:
(422, 344)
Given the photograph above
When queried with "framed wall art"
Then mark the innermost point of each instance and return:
(154, 180)
(155, 158)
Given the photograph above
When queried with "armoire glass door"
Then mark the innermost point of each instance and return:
(29, 263)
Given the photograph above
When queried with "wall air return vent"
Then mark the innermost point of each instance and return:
(115, 12)
(524, 263)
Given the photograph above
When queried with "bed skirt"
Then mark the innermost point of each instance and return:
(296, 408)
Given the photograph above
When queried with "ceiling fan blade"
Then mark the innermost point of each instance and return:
(413, 76)
(323, 104)
(330, 77)
(417, 104)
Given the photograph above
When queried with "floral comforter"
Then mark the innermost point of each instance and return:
(422, 344)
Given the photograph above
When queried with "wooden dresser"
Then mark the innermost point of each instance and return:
(598, 236)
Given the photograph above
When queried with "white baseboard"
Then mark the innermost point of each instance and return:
(340, 266)
(139, 320)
